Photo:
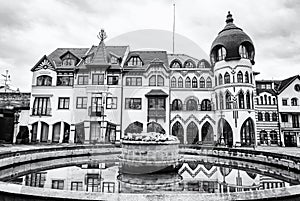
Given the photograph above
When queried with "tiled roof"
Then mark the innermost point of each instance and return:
(182, 58)
(55, 55)
(148, 56)
(100, 56)
(284, 83)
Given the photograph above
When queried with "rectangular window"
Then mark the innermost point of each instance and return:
(108, 187)
(76, 186)
(112, 80)
(284, 102)
(58, 184)
(111, 103)
(92, 182)
(295, 121)
(95, 132)
(63, 103)
(81, 103)
(41, 106)
(284, 118)
(83, 79)
(64, 81)
(133, 81)
(133, 103)
(35, 179)
(98, 79)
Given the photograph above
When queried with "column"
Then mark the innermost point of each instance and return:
(62, 128)
(39, 130)
(50, 133)
(30, 131)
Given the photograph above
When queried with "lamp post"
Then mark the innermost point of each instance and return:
(16, 122)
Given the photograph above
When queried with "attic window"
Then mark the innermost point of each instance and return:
(114, 60)
(243, 52)
(135, 61)
(68, 62)
(221, 54)
(202, 64)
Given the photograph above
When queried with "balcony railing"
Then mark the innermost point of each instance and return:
(41, 111)
(96, 111)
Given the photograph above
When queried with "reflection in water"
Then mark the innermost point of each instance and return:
(106, 178)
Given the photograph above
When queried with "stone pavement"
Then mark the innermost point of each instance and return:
(294, 151)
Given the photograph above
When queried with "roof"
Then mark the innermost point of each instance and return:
(231, 37)
(156, 92)
(183, 58)
(271, 91)
(285, 83)
(148, 56)
(55, 55)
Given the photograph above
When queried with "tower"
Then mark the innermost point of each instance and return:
(232, 57)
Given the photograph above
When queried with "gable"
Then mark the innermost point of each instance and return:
(43, 63)
(292, 89)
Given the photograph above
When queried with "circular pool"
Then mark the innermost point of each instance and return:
(93, 173)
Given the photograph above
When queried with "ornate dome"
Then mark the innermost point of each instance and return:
(232, 43)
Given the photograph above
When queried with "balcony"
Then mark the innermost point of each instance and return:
(157, 114)
(40, 111)
(96, 111)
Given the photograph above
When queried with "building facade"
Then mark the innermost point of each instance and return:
(101, 93)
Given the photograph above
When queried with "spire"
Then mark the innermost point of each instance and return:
(229, 18)
(100, 54)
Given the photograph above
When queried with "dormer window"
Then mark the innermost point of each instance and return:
(135, 61)
(68, 62)
(114, 60)
(176, 64)
(243, 52)
(189, 64)
(44, 80)
(221, 54)
(202, 64)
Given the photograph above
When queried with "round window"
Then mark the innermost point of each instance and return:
(297, 87)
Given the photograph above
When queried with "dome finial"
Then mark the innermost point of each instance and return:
(229, 18)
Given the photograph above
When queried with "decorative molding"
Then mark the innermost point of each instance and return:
(192, 116)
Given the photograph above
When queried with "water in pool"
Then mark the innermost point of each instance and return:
(190, 177)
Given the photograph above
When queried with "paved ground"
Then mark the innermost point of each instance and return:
(283, 150)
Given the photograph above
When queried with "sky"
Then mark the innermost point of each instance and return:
(30, 29)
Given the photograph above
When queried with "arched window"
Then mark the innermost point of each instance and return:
(274, 101)
(177, 130)
(259, 116)
(266, 99)
(216, 81)
(243, 52)
(180, 82)
(252, 100)
(248, 103)
(240, 77)
(207, 133)
(217, 103)
(192, 133)
(175, 64)
(187, 82)
(263, 137)
(191, 105)
(251, 78)
(241, 100)
(221, 54)
(247, 133)
(176, 105)
(267, 116)
(270, 101)
(189, 64)
(274, 116)
(257, 101)
(202, 82)
(44, 80)
(294, 101)
(152, 80)
(246, 77)
(228, 100)
(262, 100)
(206, 105)
(201, 64)
(220, 79)
(226, 78)
(173, 82)
(194, 83)
(273, 137)
(208, 83)
(221, 101)
(160, 80)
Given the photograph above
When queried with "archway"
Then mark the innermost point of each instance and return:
(44, 132)
(66, 132)
(207, 133)
(177, 130)
(192, 133)
(225, 136)
(155, 127)
(135, 127)
(34, 132)
(56, 132)
(247, 133)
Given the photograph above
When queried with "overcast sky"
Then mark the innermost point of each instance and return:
(30, 29)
